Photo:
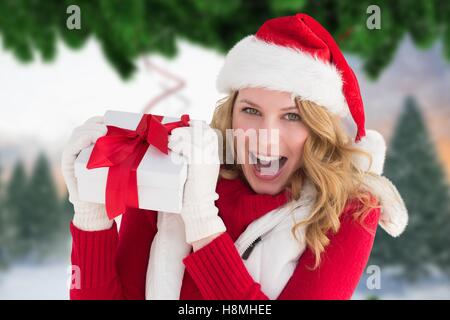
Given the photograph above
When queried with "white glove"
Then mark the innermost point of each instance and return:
(88, 216)
(199, 144)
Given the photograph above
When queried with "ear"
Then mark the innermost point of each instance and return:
(374, 144)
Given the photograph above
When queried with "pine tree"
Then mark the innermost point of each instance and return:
(16, 211)
(44, 217)
(66, 211)
(3, 226)
(413, 166)
(128, 29)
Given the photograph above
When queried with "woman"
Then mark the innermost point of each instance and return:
(287, 218)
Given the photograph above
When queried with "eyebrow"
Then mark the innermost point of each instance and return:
(255, 105)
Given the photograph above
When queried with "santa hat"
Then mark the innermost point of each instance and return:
(296, 54)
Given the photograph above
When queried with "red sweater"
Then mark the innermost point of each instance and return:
(113, 265)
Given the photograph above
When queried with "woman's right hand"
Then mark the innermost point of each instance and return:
(88, 216)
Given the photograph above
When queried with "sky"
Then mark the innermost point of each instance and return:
(47, 100)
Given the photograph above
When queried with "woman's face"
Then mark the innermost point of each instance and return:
(269, 163)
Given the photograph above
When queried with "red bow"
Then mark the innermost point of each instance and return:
(122, 150)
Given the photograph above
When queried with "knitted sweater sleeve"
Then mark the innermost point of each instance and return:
(104, 267)
(220, 273)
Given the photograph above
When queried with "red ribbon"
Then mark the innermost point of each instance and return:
(122, 150)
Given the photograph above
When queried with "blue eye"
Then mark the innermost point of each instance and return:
(250, 110)
(293, 116)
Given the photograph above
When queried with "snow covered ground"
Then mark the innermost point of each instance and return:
(47, 281)
(50, 281)
(390, 287)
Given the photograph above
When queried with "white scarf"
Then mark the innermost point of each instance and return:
(268, 265)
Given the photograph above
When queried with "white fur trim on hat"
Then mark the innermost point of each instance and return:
(255, 63)
(394, 215)
(374, 144)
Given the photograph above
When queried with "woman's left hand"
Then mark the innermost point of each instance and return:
(199, 144)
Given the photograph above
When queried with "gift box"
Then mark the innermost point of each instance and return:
(132, 166)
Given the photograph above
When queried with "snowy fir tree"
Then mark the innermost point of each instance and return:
(413, 166)
(3, 225)
(32, 215)
(16, 211)
(44, 217)
(66, 211)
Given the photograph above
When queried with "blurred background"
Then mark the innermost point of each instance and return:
(62, 62)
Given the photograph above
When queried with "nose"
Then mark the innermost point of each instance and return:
(269, 136)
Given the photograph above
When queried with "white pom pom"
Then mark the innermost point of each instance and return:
(374, 144)
(394, 214)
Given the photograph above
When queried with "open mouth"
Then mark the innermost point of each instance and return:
(268, 166)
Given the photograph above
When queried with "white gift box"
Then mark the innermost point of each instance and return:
(160, 177)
